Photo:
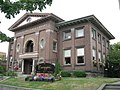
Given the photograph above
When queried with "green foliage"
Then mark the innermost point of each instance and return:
(57, 68)
(11, 73)
(4, 37)
(112, 67)
(75, 73)
(12, 8)
(114, 54)
(79, 74)
(2, 70)
(66, 74)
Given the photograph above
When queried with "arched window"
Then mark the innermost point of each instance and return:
(29, 46)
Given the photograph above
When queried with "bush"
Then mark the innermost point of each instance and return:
(11, 73)
(2, 70)
(79, 74)
(66, 74)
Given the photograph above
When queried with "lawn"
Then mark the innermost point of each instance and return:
(64, 84)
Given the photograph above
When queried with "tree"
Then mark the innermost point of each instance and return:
(113, 60)
(11, 8)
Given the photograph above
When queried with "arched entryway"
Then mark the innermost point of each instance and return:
(29, 46)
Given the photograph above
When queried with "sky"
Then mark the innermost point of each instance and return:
(107, 11)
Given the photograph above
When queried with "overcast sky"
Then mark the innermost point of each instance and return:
(107, 11)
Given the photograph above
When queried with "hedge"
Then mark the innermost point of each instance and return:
(76, 73)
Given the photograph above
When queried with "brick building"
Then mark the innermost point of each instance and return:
(79, 44)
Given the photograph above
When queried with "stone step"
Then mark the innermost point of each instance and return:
(112, 87)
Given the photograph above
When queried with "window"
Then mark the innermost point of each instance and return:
(104, 58)
(94, 54)
(42, 43)
(99, 37)
(67, 57)
(80, 56)
(99, 56)
(107, 44)
(54, 46)
(67, 35)
(103, 41)
(80, 32)
(93, 33)
(18, 47)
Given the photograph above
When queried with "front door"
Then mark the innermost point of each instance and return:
(28, 66)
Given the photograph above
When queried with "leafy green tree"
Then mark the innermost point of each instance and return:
(113, 60)
(11, 8)
(57, 68)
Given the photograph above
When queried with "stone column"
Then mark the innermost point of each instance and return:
(33, 67)
(14, 53)
(22, 66)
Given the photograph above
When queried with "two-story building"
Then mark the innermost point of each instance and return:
(79, 44)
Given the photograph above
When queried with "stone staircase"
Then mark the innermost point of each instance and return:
(110, 87)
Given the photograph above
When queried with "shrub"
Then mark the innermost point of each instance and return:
(11, 73)
(2, 70)
(79, 74)
(66, 74)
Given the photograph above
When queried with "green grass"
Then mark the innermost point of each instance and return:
(64, 84)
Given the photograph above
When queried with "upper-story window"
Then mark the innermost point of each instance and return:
(67, 35)
(93, 33)
(80, 56)
(67, 57)
(107, 44)
(54, 45)
(94, 54)
(79, 32)
(103, 41)
(99, 37)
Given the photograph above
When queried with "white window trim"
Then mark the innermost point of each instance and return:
(64, 57)
(64, 35)
(41, 44)
(56, 45)
(99, 56)
(93, 54)
(82, 32)
(81, 55)
(18, 48)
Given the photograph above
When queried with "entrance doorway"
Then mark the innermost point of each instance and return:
(28, 66)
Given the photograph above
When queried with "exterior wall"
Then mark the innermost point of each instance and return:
(73, 43)
(99, 47)
(35, 33)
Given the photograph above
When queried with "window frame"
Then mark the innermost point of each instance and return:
(100, 56)
(55, 46)
(95, 54)
(99, 38)
(40, 43)
(66, 56)
(81, 55)
(77, 30)
(93, 33)
(64, 35)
